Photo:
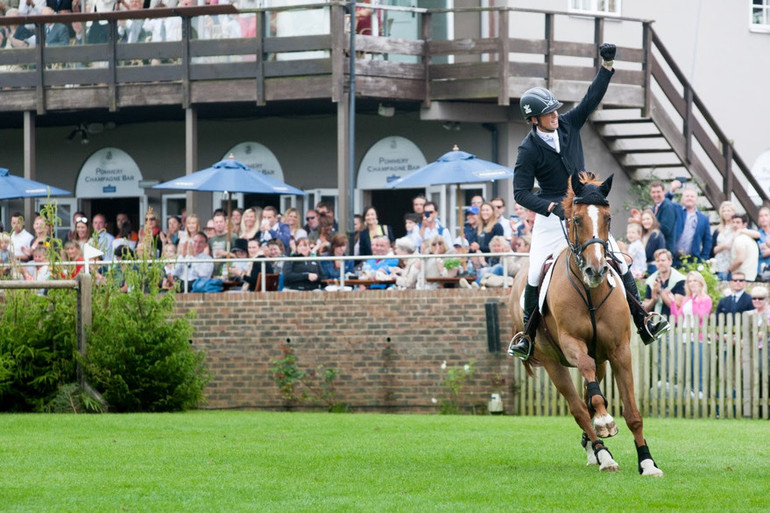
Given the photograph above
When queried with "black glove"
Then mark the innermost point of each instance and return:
(558, 211)
(607, 51)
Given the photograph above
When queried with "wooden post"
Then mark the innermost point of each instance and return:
(112, 66)
(345, 202)
(647, 66)
(504, 46)
(259, 39)
(83, 320)
(29, 161)
(191, 154)
(426, 33)
(549, 42)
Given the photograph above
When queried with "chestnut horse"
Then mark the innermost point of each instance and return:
(586, 322)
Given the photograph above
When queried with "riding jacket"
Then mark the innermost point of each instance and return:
(537, 160)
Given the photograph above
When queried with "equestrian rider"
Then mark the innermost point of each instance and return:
(550, 153)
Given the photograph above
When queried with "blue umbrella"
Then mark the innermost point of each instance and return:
(455, 167)
(17, 187)
(229, 175)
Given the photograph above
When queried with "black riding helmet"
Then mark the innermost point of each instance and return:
(537, 101)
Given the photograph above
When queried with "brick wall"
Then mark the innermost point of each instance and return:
(387, 345)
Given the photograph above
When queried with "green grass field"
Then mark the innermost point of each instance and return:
(259, 461)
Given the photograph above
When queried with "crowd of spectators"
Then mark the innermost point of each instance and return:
(192, 251)
(673, 235)
(660, 239)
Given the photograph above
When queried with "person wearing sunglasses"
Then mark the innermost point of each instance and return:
(738, 301)
(431, 226)
(311, 224)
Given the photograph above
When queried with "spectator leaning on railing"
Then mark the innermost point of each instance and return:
(302, 274)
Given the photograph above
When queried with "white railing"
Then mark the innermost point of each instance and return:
(263, 261)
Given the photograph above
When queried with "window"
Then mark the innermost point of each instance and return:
(760, 16)
(611, 7)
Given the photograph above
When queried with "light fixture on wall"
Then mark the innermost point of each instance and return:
(79, 131)
(451, 125)
(386, 110)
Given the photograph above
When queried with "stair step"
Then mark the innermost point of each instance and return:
(622, 121)
(628, 151)
(653, 166)
(615, 137)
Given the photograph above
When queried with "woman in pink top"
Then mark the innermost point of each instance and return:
(696, 303)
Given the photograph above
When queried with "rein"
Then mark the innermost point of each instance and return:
(576, 256)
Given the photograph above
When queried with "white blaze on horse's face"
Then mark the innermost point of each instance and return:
(595, 266)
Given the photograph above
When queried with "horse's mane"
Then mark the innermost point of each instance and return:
(586, 178)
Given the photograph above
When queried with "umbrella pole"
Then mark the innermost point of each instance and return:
(227, 242)
(459, 212)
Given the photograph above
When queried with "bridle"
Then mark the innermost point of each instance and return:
(576, 250)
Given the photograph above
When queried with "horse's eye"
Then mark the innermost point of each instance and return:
(577, 220)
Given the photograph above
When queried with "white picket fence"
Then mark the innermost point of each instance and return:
(717, 370)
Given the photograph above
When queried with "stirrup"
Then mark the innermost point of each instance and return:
(520, 346)
(654, 326)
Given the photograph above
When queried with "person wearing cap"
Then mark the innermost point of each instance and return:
(550, 153)
(239, 249)
(471, 223)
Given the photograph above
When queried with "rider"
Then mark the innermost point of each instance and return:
(550, 153)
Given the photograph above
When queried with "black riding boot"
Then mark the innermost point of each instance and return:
(522, 342)
(649, 326)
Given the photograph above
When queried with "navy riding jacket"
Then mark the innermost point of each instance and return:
(537, 160)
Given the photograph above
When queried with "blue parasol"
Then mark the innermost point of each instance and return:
(454, 167)
(229, 175)
(12, 187)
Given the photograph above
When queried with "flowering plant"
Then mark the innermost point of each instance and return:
(454, 381)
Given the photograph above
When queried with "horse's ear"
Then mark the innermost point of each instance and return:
(577, 185)
(606, 186)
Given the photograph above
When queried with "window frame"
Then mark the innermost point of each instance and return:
(573, 9)
(759, 27)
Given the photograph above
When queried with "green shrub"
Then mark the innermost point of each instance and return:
(139, 354)
(37, 348)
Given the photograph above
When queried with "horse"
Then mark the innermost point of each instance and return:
(586, 322)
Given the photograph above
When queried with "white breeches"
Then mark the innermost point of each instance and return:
(547, 238)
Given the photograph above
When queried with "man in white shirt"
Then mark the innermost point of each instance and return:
(101, 238)
(196, 263)
(498, 204)
(20, 238)
(744, 253)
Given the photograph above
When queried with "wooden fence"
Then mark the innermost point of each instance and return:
(718, 370)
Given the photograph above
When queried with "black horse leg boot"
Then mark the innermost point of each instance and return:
(522, 342)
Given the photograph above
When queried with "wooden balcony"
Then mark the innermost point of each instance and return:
(649, 97)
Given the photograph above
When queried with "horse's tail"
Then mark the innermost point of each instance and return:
(529, 367)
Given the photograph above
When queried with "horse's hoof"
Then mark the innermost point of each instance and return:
(604, 456)
(605, 426)
(649, 469)
(591, 458)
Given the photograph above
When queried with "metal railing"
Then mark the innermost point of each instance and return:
(263, 262)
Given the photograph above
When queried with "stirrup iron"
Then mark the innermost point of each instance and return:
(655, 325)
(520, 346)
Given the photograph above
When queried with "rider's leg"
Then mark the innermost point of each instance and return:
(522, 342)
(649, 326)
(547, 235)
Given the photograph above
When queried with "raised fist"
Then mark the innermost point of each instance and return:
(607, 51)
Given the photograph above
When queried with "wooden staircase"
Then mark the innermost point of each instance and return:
(674, 136)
